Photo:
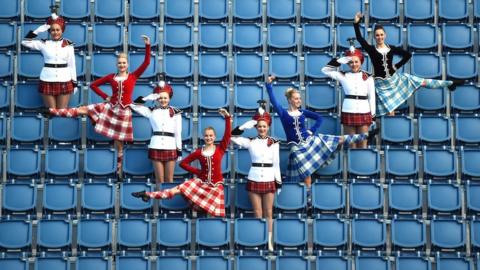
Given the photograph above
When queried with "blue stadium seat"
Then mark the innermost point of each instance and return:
(284, 65)
(15, 235)
(27, 129)
(252, 262)
(447, 234)
(394, 34)
(247, 35)
(332, 170)
(59, 198)
(457, 36)
(422, 36)
(247, 10)
(426, 65)
(460, 263)
(290, 232)
(405, 197)
(134, 233)
(132, 262)
(247, 94)
(434, 130)
(282, 10)
(51, 263)
(345, 10)
(9, 34)
(213, 9)
(346, 31)
(466, 98)
(250, 133)
(474, 234)
(183, 96)
(136, 162)
(96, 138)
(401, 163)
(213, 262)
(87, 263)
(109, 9)
(242, 202)
(317, 36)
(135, 32)
(6, 66)
(142, 130)
(419, 10)
(77, 33)
(411, 262)
(14, 263)
(363, 162)
(178, 65)
(444, 197)
(130, 203)
(3, 131)
(108, 35)
(62, 129)
(371, 262)
(366, 197)
(187, 127)
(98, 197)
(284, 154)
(61, 162)
(276, 130)
(213, 36)
(19, 197)
(330, 233)
(466, 130)
(328, 197)
(461, 65)
(291, 200)
(179, 10)
(312, 63)
(472, 191)
(175, 204)
(173, 262)
(476, 9)
(103, 64)
(80, 66)
(10, 9)
(326, 262)
(312, 10)
(75, 9)
(382, 10)
(250, 233)
(27, 96)
(179, 172)
(439, 163)
(212, 233)
(38, 9)
(470, 159)
(217, 122)
(178, 35)
(330, 125)
(368, 233)
(321, 96)
(137, 58)
(213, 65)
(144, 10)
(23, 162)
(453, 10)
(5, 90)
(94, 234)
(100, 162)
(181, 237)
(281, 36)
(248, 65)
(286, 262)
(427, 101)
(54, 234)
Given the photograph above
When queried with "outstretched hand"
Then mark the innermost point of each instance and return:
(358, 17)
(271, 79)
(146, 39)
(223, 112)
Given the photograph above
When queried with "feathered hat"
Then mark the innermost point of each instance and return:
(262, 114)
(55, 19)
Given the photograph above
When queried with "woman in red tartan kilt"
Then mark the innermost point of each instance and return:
(113, 118)
(206, 189)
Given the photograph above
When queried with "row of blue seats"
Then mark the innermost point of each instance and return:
(215, 234)
(250, 10)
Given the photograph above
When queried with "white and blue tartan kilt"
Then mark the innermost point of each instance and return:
(394, 91)
(307, 157)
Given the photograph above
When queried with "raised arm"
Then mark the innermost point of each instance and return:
(276, 105)
(95, 85)
(358, 34)
(185, 163)
(142, 110)
(227, 134)
(146, 61)
(403, 53)
(317, 117)
(330, 69)
(29, 38)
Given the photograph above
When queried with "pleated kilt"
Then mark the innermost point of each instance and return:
(356, 119)
(162, 155)
(209, 198)
(261, 187)
(112, 121)
(55, 88)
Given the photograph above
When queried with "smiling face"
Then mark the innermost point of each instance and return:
(56, 31)
(163, 99)
(380, 36)
(122, 64)
(355, 64)
(295, 100)
(262, 128)
(209, 136)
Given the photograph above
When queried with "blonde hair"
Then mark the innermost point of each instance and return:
(209, 128)
(122, 55)
(290, 91)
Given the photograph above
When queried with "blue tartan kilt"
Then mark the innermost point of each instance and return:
(394, 91)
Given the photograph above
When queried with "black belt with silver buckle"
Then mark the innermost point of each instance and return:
(55, 65)
(355, 97)
(262, 165)
(161, 133)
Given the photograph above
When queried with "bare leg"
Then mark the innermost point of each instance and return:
(119, 147)
(163, 194)
(308, 181)
(62, 101)
(256, 200)
(361, 130)
(169, 170)
(392, 113)
(434, 84)
(49, 101)
(69, 112)
(267, 206)
(350, 130)
(158, 168)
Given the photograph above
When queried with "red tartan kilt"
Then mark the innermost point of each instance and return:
(356, 119)
(55, 88)
(209, 198)
(112, 121)
(162, 155)
(261, 187)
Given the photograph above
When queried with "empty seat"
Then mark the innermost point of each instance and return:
(142, 130)
(100, 161)
(179, 10)
(213, 65)
(251, 232)
(401, 163)
(292, 199)
(470, 159)
(136, 162)
(109, 9)
(472, 198)
(397, 130)
(213, 9)
(242, 202)
(317, 36)
(38, 9)
(14, 263)
(213, 36)
(292, 262)
(460, 263)
(427, 100)
(250, 262)
(326, 262)
(315, 10)
(426, 65)
(106, 35)
(461, 65)
(73, 9)
(62, 129)
(27, 129)
(422, 10)
(327, 197)
(29, 65)
(330, 233)
(23, 162)
(94, 234)
(178, 35)
(284, 65)
(434, 130)
(290, 232)
(3, 130)
(371, 262)
(15, 235)
(447, 234)
(10, 9)
(213, 96)
(248, 65)
(453, 10)
(475, 234)
(19, 197)
(99, 263)
(368, 233)
(281, 36)
(54, 234)
(27, 96)
(247, 10)
(212, 232)
(346, 31)
(422, 36)
(281, 10)
(277, 130)
(405, 197)
(363, 162)
(173, 262)
(134, 233)
(443, 197)
(144, 10)
(345, 10)
(384, 10)
(59, 197)
(247, 94)
(132, 262)
(457, 36)
(5, 90)
(183, 97)
(51, 263)
(247, 35)
(167, 239)
(321, 96)
(130, 203)
(77, 33)
(312, 63)
(187, 127)
(178, 65)
(366, 197)
(466, 98)
(6, 66)
(410, 262)
(9, 34)
(394, 34)
(212, 262)
(330, 125)
(103, 64)
(466, 130)
(439, 163)
(61, 162)
(135, 32)
(98, 197)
